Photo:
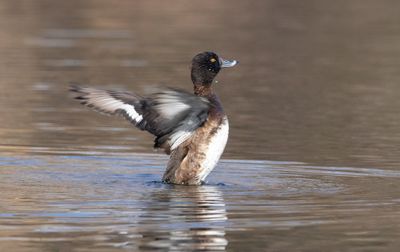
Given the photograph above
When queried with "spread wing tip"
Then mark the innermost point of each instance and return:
(108, 102)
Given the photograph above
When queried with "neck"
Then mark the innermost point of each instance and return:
(203, 89)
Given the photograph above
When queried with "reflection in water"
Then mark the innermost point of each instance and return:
(195, 217)
(106, 202)
(97, 202)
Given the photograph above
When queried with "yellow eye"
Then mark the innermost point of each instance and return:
(213, 60)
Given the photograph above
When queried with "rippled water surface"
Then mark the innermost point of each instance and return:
(313, 158)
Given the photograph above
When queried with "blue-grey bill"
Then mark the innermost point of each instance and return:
(227, 63)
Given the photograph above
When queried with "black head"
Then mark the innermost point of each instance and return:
(206, 65)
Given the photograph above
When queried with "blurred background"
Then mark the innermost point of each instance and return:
(317, 82)
(312, 162)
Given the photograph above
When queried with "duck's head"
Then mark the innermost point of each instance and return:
(206, 65)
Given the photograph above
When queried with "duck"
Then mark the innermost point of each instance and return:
(192, 128)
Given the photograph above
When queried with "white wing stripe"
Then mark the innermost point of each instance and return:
(130, 110)
(111, 105)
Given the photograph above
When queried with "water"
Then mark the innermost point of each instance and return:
(108, 202)
(312, 162)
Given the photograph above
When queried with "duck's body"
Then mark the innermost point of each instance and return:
(193, 129)
(194, 159)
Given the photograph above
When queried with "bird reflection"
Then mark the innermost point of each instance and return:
(185, 218)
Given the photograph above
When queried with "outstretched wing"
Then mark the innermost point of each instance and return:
(171, 115)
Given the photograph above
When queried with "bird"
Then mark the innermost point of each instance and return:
(190, 127)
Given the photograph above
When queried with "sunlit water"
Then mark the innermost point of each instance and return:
(312, 162)
(106, 202)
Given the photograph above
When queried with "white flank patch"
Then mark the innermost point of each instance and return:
(215, 149)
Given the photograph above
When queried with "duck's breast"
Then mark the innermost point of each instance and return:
(215, 147)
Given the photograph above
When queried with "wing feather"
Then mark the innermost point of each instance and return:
(171, 115)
